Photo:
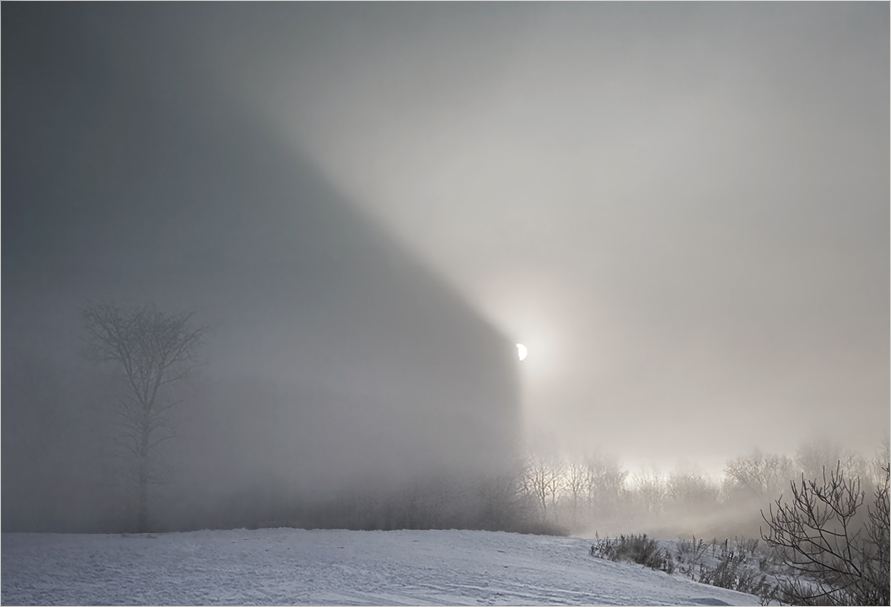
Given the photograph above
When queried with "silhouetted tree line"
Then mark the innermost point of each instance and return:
(593, 492)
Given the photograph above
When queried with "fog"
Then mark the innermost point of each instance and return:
(680, 209)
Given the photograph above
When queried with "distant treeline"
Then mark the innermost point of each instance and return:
(595, 494)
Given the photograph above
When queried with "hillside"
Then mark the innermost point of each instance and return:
(332, 567)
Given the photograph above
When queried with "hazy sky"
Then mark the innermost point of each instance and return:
(681, 209)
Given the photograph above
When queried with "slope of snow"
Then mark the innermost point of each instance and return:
(325, 567)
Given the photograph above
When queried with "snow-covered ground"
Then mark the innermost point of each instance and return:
(324, 567)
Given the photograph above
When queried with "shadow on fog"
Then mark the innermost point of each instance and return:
(338, 372)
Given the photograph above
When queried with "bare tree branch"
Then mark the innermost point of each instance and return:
(821, 533)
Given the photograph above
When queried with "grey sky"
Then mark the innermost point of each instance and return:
(681, 209)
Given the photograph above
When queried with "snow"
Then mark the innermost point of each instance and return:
(332, 567)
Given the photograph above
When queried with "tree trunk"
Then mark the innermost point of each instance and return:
(142, 497)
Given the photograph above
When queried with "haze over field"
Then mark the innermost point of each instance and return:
(681, 210)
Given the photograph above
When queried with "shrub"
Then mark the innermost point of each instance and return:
(838, 551)
(690, 550)
(636, 549)
(737, 568)
(734, 571)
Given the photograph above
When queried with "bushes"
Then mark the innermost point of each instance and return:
(636, 549)
(739, 565)
(690, 551)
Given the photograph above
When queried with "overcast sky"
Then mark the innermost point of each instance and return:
(681, 209)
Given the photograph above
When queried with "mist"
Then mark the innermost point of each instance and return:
(681, 210)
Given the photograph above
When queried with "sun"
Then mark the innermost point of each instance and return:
(521, 351)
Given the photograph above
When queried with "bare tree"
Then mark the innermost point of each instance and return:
(691, 492)
(815, 455)
(150, 350)
(761, 475)
(576, 483)
(839, 552)
(876, 467)
(606, 485)
(650, 490)
(543, 479)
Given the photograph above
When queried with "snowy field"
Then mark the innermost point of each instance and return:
(325, 567)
